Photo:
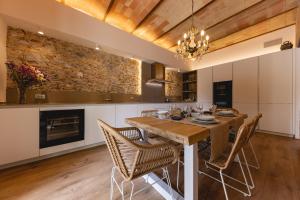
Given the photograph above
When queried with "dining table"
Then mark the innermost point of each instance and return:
(189, 133)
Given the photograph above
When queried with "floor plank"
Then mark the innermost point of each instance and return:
(86, 175)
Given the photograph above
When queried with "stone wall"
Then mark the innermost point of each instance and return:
(173, 89)
(72, 67)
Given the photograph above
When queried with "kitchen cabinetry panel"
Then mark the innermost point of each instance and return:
(125, 111)
(204, 85)
(245, 81)
(276, 77)
(276, 118)
(250, 109)
(93, 134)
(19, 134)
(222, 72)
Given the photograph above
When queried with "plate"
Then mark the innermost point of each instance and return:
(206, 118)
(226, 115)
(226, 112)
(205, 122)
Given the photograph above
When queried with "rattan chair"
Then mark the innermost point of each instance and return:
(224, 161)
(252, 132)
(134, 158)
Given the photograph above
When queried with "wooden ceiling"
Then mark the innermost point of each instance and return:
(163, 22)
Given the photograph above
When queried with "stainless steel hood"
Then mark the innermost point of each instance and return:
(157, 74)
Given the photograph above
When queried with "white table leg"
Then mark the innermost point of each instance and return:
(191, 165)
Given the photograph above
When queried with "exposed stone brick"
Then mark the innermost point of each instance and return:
(72, 67)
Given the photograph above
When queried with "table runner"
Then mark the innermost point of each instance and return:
(219, 133)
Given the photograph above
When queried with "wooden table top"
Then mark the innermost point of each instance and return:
(176, 131)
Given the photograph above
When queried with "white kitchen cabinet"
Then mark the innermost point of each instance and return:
(276, 77)
(124, 111)
(297, 94)
(276, 91)
(19, 134)
(245, 81)
(107, 113)
(222, 72)
(247, 108)
(276, 118)
(205, 85)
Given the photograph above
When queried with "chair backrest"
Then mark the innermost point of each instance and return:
(241, 139)
(148, 113)
(253, 128)
(122, 150)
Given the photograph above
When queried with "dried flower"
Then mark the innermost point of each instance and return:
(25, 75)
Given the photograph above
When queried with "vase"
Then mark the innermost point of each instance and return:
(22, 93)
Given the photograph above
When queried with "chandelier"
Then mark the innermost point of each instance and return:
(194, 43)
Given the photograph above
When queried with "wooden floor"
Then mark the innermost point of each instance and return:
(85, 175)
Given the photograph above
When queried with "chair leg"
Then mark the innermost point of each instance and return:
(223, 183)
(254, 154)
(166, 175)
(178, 176)
(122, 190)
(112, 183)
(244, 176)
(249, 172)
(132, 189)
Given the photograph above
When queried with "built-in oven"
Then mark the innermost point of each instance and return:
(61, 126)
(222, 94)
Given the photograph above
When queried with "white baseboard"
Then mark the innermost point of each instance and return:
(43, 157)
(276, 133)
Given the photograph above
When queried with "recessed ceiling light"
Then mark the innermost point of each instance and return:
(41, 32)
(97, 48)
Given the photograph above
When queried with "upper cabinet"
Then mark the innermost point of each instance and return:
(222, 72)
(204, 86)
(276, 77)
(245, 81)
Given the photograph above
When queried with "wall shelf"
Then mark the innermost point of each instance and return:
(189, 83)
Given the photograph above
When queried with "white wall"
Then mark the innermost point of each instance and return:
(3, 30)
(247, 49)
(57, 18)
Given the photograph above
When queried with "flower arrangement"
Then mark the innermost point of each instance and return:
(25, 76)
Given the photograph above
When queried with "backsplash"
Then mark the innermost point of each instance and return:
(72, 67)
(173, 89)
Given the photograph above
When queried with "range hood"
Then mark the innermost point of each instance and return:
(157, 74)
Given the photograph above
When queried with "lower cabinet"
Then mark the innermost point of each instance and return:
(277, 118)
(19, 134)
(93, 134)
(124, 111)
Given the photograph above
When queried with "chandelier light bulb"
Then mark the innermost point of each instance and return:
(207, 37)
(185, 36)
(179, 42)
(202, 32)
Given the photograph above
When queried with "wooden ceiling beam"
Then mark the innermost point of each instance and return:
(272, 24)
(184, 20)
(250, 20)
(111, 3)
(144, 19)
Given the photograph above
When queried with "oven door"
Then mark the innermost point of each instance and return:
(61, 127)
